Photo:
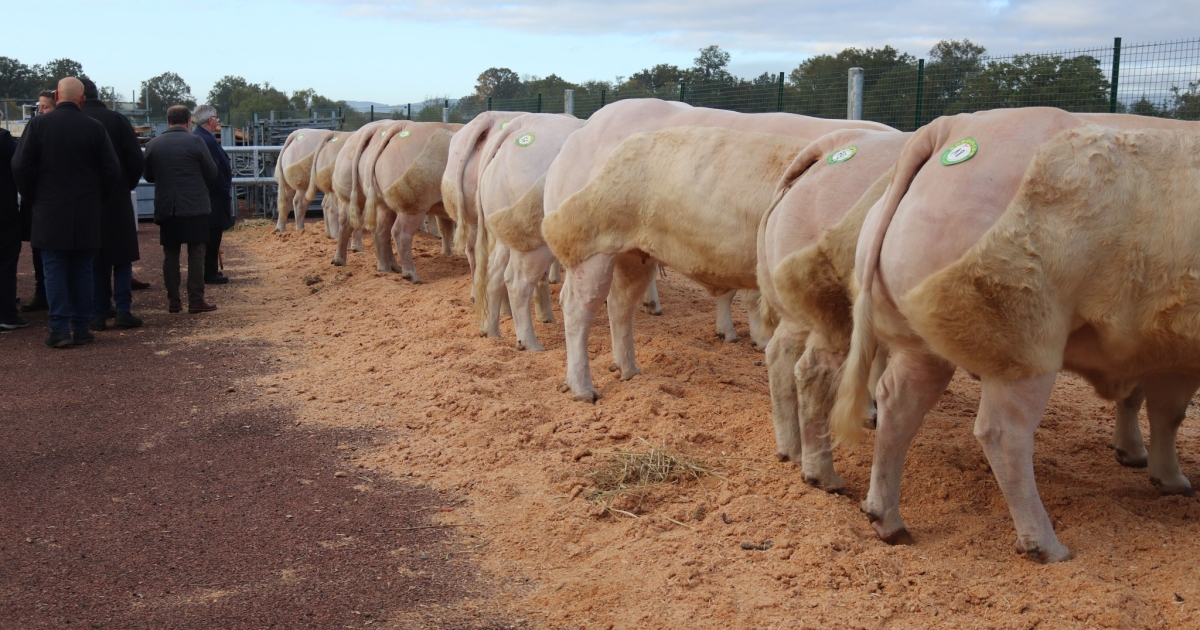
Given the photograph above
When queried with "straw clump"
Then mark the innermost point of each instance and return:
(633, 479)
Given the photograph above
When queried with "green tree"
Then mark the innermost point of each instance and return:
(663, 76)
(1186, 104)
(710, 66)
(17, 80)
(221, 94)
(499, 83)
(818, 85)
(50, 74)
(165, 90)
(950, 63)
(1075, 84)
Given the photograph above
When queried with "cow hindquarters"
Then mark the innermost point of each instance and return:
(585, 287)
(1167, 398)
(910, 386)
(1009, 413)
(525, 277)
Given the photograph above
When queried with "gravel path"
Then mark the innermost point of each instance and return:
(141, 487)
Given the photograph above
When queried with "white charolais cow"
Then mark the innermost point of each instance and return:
(460, 183)
(806, 245)
(292, 171)
(403, 184)
(511, 192)
(1014, 244)
(321, 179)
(347, 184)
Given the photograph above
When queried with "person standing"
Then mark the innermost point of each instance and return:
(178, 164)
(45, 105)
(113, 268)
(207, 125)
(66, 164)
(10, 237)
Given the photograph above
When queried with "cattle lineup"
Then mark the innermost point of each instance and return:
(1012, 244)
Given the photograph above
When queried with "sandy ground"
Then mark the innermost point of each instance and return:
(480, 420)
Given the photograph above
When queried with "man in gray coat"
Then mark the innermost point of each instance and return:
(178, 164)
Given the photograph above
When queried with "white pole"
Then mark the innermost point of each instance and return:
(854, 95)
(569, 102)
(445, 114)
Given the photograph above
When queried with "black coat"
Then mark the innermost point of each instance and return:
(218, 187)
(119, 242)
(178, 164)
(10, 219)
(66, 165)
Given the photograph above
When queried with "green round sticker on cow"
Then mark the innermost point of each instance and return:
(333, 139)
(404, 134)
(525, 140)
(960, 152)
(503, 123)
(300, 137)
(842, 155)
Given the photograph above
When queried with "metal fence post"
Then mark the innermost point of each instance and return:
(372, 113)
(779, 96)
(854, 94)
(682, 92)
(539, 109)
(489, 104)
(446, 111)
(409, 116)
(603, 93)
(920, 92)
(1116, 71)
(569, 102)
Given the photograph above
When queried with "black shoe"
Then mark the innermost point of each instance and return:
(97, 324)
(59, 340)
(82, 337)
(127, 320)
(38, 304)
(138, 285)
(14, 323)
(216, 280)
(110, 313)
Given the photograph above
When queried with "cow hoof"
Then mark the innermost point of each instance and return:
(625, 376)
(838, 486)
(564, 388)
(652, 309)
(1130, 461)
(532, 346)
(520, 346)
(279, 230)
(589, 398)
(612, 367)
(1183, 489)
(340, 262)
(783, 457)
(899, 537)
(358, 249)
(1031, 550)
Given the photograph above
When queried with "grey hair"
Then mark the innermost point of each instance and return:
(202, 113)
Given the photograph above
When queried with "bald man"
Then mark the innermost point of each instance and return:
(66, 164)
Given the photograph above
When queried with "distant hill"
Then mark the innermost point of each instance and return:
(382, 108)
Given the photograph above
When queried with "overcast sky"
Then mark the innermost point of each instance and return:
(399, 51)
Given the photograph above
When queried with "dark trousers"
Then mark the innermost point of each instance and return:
(111, 282)
(10, 253)
(39, 275)
(68, 288)
(211, 262)
(195, 272)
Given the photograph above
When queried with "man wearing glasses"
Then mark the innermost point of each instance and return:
(222, 218)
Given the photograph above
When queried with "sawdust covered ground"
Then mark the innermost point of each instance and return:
(477, 418)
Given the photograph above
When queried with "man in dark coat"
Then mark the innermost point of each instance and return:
(207, 125)
(10, 237)
(112, 270)
(66, 164)
(178, 164)
(45, 105)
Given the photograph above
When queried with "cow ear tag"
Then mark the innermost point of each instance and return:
(960, 152)
(525, 140)
(404, 134)
(842, 155)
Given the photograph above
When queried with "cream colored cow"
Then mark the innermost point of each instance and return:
(321, 179)
(1014, 244)
(806, 245)
(347, 185)
(292, 171)
(461, 180)
(511, 189)
(402, 174)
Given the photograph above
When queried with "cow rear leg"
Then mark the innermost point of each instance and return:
(300, 208)
(497, 261)
(555, 273)
(1127, 441)
(585, 286)
(909, 388)
(385, 259)
(284, 193)
(816, 382)
(403, 231)
(525, 276)
(783, 352)
(343, 237)
(725, 316)
(446, 228)
(650, 302)
(1009, 413)
(759, 331)
(877, 367)
(356, 244)
(330, 215)
(1167, 398)
(631, 275)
